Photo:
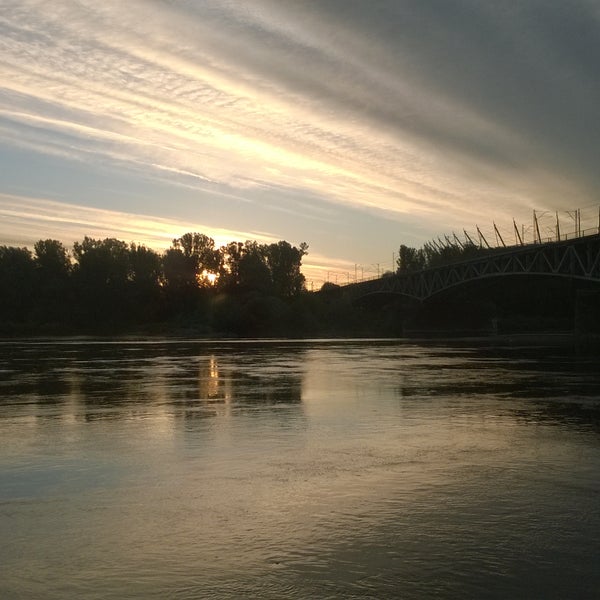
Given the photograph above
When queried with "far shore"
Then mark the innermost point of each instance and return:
(543, 339)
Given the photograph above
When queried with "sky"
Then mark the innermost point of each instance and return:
(352, 125)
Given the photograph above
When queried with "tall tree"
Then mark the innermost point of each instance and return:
(102, 262)
(284, 261)
(17, 283)
(53, 268)
(144, 265)
(202, 260)
(253, 271)
(52, 259)
(179, 270)
(144, 293)
(410, 259)
(231, 255)
(101, 277)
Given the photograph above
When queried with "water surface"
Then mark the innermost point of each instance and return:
(316, 469)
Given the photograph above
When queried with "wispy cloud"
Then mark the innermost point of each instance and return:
(26, 220)
(446, 111)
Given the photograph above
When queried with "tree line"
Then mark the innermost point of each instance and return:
(108, 284)
(433, 254)
(242, 289)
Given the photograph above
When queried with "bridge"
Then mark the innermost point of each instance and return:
(577, 258)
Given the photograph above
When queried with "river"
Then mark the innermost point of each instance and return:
(188, 469)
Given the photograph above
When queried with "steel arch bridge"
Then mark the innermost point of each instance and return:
(578, 258)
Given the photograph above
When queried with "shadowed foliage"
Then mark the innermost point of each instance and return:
(108, 285)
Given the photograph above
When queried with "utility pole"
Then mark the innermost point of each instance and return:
(557, 228)
(576, 216)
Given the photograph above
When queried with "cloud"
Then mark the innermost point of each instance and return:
(26, 220)
(445, 111)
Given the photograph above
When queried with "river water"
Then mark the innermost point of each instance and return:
(286, 469)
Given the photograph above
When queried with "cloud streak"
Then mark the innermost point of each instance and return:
(30, 219)
(442, 111)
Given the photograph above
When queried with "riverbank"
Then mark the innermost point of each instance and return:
(563, 339)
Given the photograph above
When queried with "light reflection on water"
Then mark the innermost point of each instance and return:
(297, 469)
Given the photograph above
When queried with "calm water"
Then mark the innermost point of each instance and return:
(371, 469)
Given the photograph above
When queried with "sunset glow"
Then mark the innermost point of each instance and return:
(350, 128)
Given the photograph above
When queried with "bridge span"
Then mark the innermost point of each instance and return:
(577, 258)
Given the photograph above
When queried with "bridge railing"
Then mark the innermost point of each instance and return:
(571, 235)
(496, 251)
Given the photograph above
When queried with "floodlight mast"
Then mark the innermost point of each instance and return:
(498, 236)
(517, 234)
(481, 237)
(469, 238)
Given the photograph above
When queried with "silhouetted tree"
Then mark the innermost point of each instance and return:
(201, 257)
(145, 265)
(112, 286)
(53, 269)
(190, 267)
(178, 269)
(443, 255)
(16, 281)
(101, 275)
(102, 262)
(410, 259)
(253, 271)
(284, 262)
(144, 296)
(231, 254)
(17, 284)
(435, 255)
(52, 259)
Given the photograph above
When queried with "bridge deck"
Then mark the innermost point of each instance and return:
(574, 258)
